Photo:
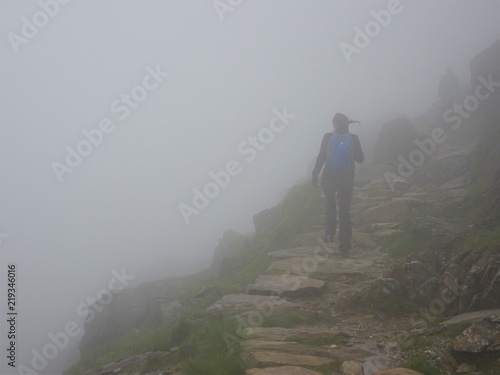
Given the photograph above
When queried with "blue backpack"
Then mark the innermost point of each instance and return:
(340, 152)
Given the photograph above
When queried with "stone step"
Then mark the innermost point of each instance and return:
(317, 265)
(284, 334)
(298, 252)
(286, 286)
(269, 359)
(241, 303)
(282, 370)
(335, 352)
(301, 355)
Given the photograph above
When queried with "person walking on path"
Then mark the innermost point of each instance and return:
(339, 150)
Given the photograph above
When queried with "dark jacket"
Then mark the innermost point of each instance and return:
(321, 159)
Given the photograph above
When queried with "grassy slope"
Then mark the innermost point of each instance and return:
(201, 342)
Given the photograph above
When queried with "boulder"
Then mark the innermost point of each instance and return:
(440, 359)
(481, 336)
(227, 254)
(351, 368)
(131, 309)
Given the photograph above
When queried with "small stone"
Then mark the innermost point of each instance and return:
(465, 368)
(351, 368)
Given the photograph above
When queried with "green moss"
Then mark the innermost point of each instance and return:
(454, 330)
(206, 351)
(484, 239)
(421, 365)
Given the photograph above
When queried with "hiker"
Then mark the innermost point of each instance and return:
(339, 150)
(448, 88)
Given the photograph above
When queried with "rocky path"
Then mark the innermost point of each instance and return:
(302, 289)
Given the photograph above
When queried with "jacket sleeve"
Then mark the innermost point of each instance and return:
(320, 160)
(358, 151)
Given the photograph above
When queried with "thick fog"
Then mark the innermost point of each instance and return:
(115, 113)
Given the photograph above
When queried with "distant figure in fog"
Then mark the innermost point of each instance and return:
(448, 88)
(339, 150)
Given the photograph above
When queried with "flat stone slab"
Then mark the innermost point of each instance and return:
(237, 303)
(296, 252)
(269, 358)
(286, 286)
(339, 354)
(311, 265)
(471, 317)
(282, 370)
(283, 334)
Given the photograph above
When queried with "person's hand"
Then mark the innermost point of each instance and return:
(315, 180)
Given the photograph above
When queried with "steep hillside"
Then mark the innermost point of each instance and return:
(420, 289)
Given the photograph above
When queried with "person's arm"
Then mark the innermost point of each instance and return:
(320, 160)
(358, 151)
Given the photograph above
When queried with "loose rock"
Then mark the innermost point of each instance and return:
(351, 368)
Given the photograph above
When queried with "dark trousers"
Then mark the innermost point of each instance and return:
(338, 185)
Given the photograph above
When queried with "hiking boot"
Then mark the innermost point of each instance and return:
(329, 238)
(344, 251)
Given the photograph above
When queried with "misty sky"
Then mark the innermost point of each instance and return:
(212, 84)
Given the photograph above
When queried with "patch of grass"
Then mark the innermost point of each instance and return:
(489, 238)
(454, 330)
(153, 363)
(405, 243)
(418, 342)
(322, 370)
(283, 321)
(421, 365)
(205, 351)
(202, 347)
